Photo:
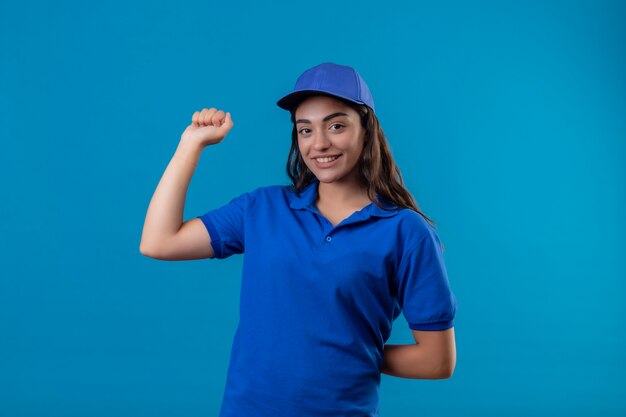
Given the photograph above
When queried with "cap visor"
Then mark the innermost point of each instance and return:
(291, 100)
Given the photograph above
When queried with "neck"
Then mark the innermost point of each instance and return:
(342, 194)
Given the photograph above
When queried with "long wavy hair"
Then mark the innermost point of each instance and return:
(377, 169)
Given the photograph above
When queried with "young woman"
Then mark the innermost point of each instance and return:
(330, 261)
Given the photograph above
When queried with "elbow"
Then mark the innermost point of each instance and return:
(148, 251)
(446, 370)
(447, 363)
(446, 373)
(160, 254)
(145, 251)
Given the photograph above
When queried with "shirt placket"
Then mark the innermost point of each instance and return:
(327, 241)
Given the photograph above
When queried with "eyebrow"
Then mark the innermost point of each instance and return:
(327, 118)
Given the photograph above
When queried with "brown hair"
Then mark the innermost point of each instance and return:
(377, 168)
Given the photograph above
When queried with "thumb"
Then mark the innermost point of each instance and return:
(227, 120)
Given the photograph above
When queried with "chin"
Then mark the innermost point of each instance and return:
(328, 178)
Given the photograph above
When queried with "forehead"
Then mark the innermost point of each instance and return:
(319, 106)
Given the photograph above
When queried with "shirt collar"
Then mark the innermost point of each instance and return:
(308, 195)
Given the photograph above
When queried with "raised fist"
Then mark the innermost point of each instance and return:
(207, 127)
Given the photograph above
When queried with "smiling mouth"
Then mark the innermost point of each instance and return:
(326, 159)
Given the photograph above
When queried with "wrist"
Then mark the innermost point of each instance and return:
(187, 152)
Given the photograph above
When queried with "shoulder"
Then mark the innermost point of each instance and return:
(413, 229)
(271, 191)
(270, 195)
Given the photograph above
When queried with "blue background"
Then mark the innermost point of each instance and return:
(507, 120)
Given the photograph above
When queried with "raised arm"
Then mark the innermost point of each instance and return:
(165, 236)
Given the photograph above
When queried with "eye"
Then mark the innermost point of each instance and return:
(302, 131)
(337, 124)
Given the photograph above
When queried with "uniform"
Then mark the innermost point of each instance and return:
(318, 301)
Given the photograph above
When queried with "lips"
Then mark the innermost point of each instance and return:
(324, 159)
(326, 162)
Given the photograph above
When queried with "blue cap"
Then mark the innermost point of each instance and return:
(332, 79)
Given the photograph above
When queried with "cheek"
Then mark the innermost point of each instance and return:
(301, 147)
(302, 151)
(358, 155)
(357, 150)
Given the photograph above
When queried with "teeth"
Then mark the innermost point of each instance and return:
(328, 159)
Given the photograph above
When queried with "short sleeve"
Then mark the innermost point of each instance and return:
(226, 227)
(424, 292)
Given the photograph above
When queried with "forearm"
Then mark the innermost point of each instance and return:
(165, 212)
(411, 361)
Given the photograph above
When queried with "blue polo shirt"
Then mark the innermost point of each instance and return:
(318, 301)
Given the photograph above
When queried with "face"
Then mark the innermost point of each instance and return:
(330, 139)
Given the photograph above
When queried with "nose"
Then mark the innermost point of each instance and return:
(320, 140)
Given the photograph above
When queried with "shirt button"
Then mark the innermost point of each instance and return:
(328, 238)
